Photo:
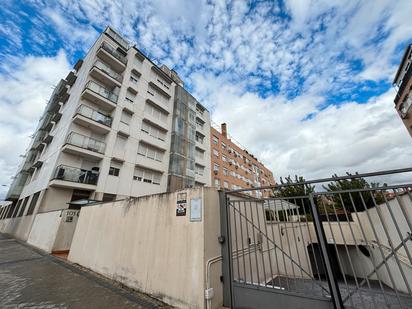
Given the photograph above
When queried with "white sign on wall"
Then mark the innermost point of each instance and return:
(196, 209)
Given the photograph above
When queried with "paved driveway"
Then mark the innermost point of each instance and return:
(32, 279)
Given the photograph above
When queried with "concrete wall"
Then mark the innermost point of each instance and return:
(44, 230)
(143, 244)
(65, 232)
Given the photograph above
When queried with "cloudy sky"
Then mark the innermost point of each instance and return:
(305, 85)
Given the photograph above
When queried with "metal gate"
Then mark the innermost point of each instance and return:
(346, 244)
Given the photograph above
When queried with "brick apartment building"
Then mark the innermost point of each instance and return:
(403, 84)
(233, 167)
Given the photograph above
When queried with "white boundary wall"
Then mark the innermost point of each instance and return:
(143, 244)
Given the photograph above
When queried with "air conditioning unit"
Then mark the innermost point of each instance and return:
(215, 172)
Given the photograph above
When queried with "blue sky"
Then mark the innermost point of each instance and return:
(305, 85)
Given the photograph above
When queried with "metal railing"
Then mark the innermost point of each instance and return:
(111, 50)
(95, 115)
(85, 142)
(350, 246)
(75, 174)
(108, 70)
(103, 91)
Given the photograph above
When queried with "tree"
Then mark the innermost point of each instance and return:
(295, 191)
(354, 201)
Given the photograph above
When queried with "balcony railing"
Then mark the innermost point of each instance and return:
(85, 142)
(93, 114)
(108, 70)
(45, 120)
(75, 174)
(104, 92)
(117, 38)
(112, 51)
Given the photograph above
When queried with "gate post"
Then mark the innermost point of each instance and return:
(224, 240)
(320, 233)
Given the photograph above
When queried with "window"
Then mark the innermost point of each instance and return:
(225, 171)
(199, 170)
(15, 208)
(155, 112)
(150, 152)
(107, 197)
(126, 118)
(199, 123)
(114, 169)
(199, 153)
(120, 143)
(215, 153)
(226, 184)
(217, 182)
(23, 207)
(199, 110)
(215, 140)
(216, 167)
(199, 138)
(131, 95)
(164, 84)
(223, 145)
(134, 77)
(153, 131)
(224, 158)
(146, 175)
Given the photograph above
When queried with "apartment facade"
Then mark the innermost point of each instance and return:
(233, 167)
(403, 84)
(190, 149)
(106, 134)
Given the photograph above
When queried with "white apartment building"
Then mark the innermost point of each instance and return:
(106, 134)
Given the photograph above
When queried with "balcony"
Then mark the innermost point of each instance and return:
(17, 186)
(100, 95)
(112, 57)
(71, 78)
(45, 121)
(116, 37)
(84, 146)
(106, 75)
(75, 178)
(92, 119)
(39, 137)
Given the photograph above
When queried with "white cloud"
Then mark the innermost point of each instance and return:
(26, 86)
(350, 137)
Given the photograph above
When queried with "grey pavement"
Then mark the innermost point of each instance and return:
(30, 278)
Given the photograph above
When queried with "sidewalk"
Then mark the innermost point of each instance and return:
(32, 279)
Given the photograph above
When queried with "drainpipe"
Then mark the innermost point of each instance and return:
(209, 293)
